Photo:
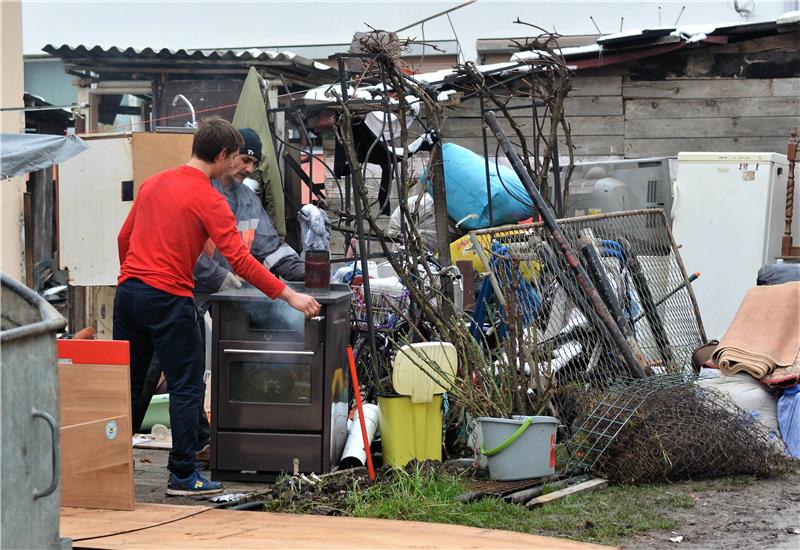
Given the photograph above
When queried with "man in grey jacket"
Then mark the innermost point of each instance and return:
(212, 273)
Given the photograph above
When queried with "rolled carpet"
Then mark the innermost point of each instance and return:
(764, 334)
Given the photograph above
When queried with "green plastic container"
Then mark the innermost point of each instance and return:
(523, 447)
(157, 412)
(410, 430)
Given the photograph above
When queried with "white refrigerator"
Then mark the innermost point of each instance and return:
(728, 218)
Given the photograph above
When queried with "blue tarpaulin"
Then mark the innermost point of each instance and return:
(465, 181)
(24, 153)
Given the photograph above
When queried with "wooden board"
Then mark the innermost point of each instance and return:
(95, 445)
(637, 148)
(80, 523)
(579, 126)
(226, 529)
(91, 392)
(762, 126)
(595, 105)
(155, 152)
(711, 108)
(713, 88)
(107, 489)
(585, 145)
(95, 401)
(580, 488)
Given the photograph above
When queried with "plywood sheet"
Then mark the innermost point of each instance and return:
(155, 152)
(80, 523)
(95, 401)
(116, 494)
(227, 529)
(91, 392)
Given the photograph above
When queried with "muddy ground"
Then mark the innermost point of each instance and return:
(727, 514)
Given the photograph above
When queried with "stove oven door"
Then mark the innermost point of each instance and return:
(269, 387)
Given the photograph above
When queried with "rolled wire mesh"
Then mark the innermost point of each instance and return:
(667, 428)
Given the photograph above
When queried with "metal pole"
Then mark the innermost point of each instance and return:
(362, 247)
(486, 161)
(633, 366)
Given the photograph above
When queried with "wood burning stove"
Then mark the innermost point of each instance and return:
(280, 384)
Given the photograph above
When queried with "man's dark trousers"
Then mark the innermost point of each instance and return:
(154, 320)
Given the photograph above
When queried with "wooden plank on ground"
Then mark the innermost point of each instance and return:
(226, 529)
(710, 108)
(729, 127)
(712, 88)
(82, 523)
(637, 148)
(581, 488)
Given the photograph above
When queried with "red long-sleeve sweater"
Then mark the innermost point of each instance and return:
(175, 213)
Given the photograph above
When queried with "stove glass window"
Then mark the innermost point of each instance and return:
(278, 319)
(270, 382)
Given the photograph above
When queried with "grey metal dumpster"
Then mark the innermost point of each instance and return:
(30, 418)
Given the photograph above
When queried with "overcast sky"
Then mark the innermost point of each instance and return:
(200, 24)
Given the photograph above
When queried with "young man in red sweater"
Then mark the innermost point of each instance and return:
(175, 213)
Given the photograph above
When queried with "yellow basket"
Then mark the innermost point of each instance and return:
(410, 430)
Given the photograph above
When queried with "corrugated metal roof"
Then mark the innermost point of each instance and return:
(67, 53)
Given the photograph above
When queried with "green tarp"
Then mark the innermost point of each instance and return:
(252, 113)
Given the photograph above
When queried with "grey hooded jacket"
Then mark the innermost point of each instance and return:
(258, 235)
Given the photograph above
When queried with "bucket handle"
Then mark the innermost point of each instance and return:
(509, 441)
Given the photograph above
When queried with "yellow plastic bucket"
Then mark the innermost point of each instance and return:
(410, 430)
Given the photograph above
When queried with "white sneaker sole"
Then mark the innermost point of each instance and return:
(189, 492)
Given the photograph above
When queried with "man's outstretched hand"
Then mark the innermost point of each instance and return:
(303, 303)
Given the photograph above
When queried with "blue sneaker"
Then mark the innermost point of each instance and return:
(195, 484)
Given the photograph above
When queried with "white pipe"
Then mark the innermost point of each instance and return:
(354, 451)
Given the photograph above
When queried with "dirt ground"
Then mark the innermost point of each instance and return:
(728, 514)
(151, 475)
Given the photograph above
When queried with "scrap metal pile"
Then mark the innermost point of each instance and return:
(590, 319)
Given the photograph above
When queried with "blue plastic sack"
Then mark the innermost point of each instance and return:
(465, 182)
(789, 419)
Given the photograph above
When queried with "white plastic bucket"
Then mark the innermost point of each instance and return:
(523, 447)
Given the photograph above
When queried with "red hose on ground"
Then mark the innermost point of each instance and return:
(357, 388)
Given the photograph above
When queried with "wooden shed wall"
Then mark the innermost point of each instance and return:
(737, 97)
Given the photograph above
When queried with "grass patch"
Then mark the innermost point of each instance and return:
(604, 517)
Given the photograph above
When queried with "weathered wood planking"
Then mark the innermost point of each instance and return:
(585, 145)
(637, 148)
(712, 108)
(579, 126)
(595, 105)
(713, 88)
(596, 85)
(664, 128)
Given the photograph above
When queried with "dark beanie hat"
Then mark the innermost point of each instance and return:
(252, 143)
